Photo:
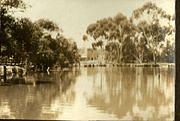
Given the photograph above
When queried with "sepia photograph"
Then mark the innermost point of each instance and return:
(87, 60)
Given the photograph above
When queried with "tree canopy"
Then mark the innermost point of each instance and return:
(143, 37)
(40, 43)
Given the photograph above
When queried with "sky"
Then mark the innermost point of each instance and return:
(73, 16)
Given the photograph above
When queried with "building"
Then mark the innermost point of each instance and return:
(97, 56)
(90, 56)
(83, 54)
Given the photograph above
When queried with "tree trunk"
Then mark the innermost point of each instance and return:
(120, 55)
(0, 49)
(101, 56)
(154, 58)
(5, 73)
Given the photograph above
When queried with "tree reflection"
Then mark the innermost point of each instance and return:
(141, 92)
(37, 102)
(124, 93)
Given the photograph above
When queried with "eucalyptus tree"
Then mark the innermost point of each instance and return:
(154, 24)
(168, 54)
(117, 29)
(138, 47)
(111, 49)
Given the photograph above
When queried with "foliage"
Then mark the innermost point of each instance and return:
(139, 38)
(33, 43)
(154, 32)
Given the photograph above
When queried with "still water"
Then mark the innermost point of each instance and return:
(93, 93)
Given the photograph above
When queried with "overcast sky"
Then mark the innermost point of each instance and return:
(73, 16)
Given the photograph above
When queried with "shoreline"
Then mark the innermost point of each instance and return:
(130, 65)
(9, 68)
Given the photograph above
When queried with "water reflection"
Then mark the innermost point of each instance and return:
(93, 93)
(37, 102)
(134, 93)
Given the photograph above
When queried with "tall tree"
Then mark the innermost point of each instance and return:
(118, 28)
(149, 19)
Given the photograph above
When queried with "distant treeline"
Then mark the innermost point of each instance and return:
(147, 36)
(39, 44)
